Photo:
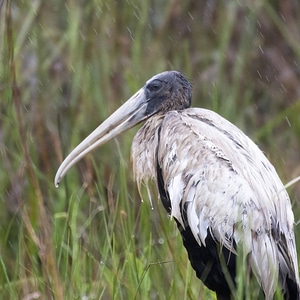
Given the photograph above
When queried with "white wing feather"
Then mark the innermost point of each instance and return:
(226, 185)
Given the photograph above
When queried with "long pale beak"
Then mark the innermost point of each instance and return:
(132, 112)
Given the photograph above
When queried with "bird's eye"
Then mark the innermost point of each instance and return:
(154, 86)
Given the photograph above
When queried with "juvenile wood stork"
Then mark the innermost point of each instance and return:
(213, 180)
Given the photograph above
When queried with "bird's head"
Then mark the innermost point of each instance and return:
(167, 91)
(164, 92)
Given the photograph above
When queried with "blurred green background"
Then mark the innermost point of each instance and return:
(65, 66)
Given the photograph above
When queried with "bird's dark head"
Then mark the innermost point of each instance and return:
(167, 91)
(164, 92)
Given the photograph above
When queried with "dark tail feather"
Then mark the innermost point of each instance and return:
(292, 290)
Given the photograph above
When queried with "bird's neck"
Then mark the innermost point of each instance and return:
(144, 149)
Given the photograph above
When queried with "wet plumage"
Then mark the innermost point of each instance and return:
(213, 180)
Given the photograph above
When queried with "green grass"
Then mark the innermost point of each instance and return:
(64, 67)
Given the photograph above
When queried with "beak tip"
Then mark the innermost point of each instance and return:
(57, 181)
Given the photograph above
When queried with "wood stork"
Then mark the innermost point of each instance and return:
(213, 180)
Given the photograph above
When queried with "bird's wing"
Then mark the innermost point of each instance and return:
(218, 180)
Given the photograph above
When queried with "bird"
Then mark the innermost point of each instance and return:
(213, 180)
